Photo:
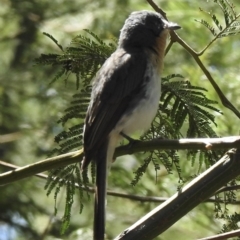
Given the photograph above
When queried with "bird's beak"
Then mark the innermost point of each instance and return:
(170, 25)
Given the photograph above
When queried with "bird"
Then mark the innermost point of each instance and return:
(125, 97)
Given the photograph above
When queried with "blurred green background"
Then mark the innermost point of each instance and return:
(30, 108)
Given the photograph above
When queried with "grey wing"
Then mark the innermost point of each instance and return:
(118, 81)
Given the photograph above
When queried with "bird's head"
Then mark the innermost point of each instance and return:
(142, 28)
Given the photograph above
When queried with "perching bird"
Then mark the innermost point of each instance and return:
(125, 97)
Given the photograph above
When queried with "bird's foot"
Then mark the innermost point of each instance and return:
(130, 140)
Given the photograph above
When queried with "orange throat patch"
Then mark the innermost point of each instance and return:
(160, 46)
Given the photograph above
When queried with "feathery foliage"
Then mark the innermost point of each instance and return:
(83, 57)
(231, 20)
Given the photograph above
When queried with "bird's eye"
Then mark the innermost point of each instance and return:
(155, 31)
(154, 26)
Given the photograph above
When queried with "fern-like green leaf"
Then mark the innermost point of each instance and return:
(228, 10)
(141, 170)
(208, 26)
(70, 190)
(230, 17)
(83, 57)
(216, 21)
(53, 39)
(189, 101)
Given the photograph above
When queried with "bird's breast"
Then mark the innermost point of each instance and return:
(144, 106)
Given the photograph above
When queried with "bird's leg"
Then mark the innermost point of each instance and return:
(127, 137)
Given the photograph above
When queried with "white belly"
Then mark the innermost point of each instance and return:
(141, 117)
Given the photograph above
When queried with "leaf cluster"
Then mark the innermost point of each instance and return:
(231, 25)
(67, 177)
(83, 57)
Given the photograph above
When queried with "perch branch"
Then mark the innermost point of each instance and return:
(160, 144)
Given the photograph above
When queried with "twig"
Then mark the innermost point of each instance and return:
(156, 8)
(223, 236)
(160, 144)
(150, 199)
(228, 188)
(41, 166)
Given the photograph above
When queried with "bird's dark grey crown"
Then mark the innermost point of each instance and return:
(141, 28)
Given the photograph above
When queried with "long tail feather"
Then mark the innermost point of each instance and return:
(100, 194)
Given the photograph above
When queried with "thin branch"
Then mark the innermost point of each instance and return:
(228, 188)
(149, 199)
(165, 215)
(139, 146)
(223, 236)
(222, 97)
(15, 167)
(169, 47)
(41, 166)
(157, 9)
(175, 38)
(10, 137)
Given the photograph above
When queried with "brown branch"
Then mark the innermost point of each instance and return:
(165, 215)
(10, 137)
(175, 38)
(150, 199)
(157, 9)
(41, 166)
(139, 146)
(228, 188)
(223, 236)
